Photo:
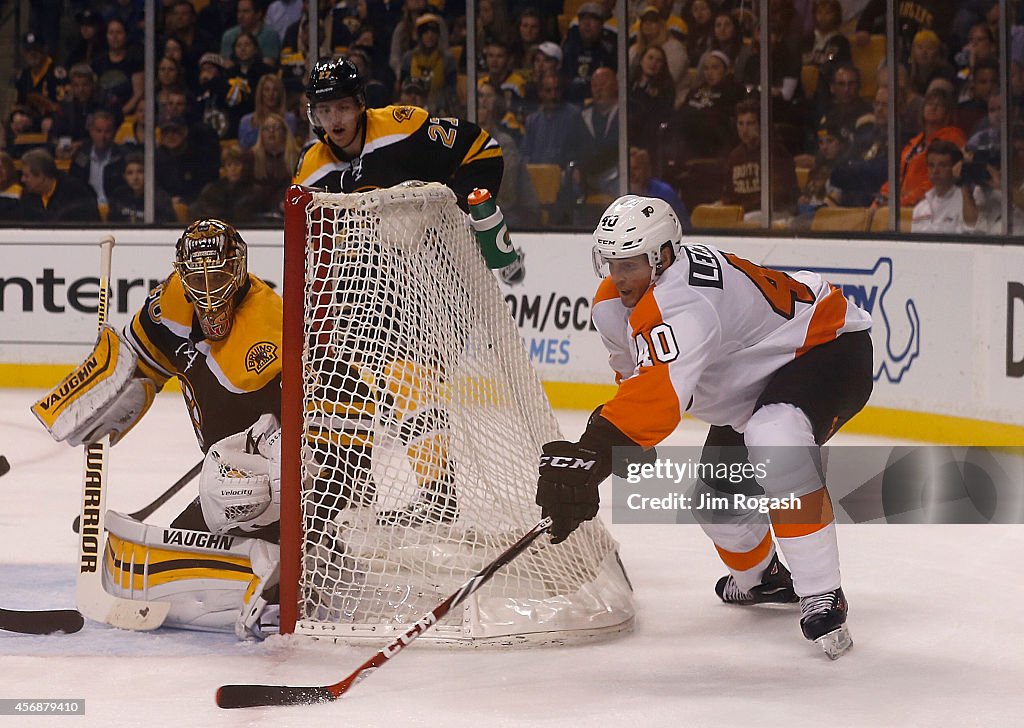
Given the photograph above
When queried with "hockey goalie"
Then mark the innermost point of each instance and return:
(217, 329)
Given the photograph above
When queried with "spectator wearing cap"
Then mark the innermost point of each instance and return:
(545, 58)
(41, 83)
(213, 90)
(433, 68)
(816, 192)
(404, 36)
(676, 25)
(702, 126)
(652, 95)
(927, 61)
(249, 14)
(120, 71)
(653, 31)
(511, 83)
(128, 202)
(50, 195)
(80, 100)
(100, 162)
(585, 51)
(183, 168)
(91, 41)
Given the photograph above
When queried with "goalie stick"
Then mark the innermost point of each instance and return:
(91, 598)
(145, 512)
(40, 621)
(250, 696)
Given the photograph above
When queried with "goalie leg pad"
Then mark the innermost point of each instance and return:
(203, 575)
(100, 397)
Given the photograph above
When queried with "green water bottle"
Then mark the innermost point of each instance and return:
(490, 230)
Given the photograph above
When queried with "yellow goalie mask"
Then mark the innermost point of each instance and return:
(210, 259)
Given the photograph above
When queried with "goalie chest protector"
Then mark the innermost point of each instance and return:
(227, 385)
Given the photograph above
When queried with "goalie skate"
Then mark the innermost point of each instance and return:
(823, 621)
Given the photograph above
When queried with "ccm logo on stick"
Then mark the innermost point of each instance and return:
(559, 461)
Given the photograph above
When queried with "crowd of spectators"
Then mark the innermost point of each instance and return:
(229, 79)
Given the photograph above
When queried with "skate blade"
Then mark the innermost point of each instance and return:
(836, 642)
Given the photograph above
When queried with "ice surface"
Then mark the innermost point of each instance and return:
(934, 615)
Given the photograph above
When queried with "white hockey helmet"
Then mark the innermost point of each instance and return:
(634, 225)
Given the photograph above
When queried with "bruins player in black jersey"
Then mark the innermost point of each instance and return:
(361, 149)
(217, 329)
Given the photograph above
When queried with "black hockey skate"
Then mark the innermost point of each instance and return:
(436, 503)
(823, 620)
(776, 587)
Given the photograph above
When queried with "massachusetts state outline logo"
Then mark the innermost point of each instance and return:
(260, 355)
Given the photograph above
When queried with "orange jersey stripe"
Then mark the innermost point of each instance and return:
(814, 513)
(750, 559)
(646, 406)
(826, 321)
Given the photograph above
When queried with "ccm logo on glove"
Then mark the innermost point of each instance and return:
(560, 461)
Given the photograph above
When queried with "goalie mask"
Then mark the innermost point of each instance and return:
(632, 226)
(210, 259)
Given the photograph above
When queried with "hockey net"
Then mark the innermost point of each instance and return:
(413, 420)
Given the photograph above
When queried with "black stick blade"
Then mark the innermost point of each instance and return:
(41, 621)
(251, 696)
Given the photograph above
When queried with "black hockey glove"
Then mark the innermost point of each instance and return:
(567, 488)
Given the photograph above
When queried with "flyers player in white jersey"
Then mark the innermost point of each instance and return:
(775, 363)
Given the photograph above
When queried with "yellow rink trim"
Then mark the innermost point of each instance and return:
(881, 421)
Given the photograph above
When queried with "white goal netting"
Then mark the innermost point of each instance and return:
(423, 420)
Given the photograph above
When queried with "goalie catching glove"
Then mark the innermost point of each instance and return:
(571, 472)
(102, 396)
(240, 483)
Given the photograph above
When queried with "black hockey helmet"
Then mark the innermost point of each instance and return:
(332, 79)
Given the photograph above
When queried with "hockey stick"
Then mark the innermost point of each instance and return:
(249, 696)
(91, 598)
(143, 513)
(41, 621)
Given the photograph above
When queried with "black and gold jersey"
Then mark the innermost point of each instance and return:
(227, 385)
(402, 143)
